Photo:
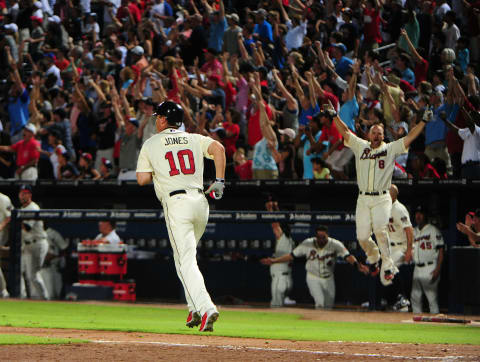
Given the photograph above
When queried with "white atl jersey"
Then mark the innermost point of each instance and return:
(6, 208)
(321, 262)
(283, 246)
(426, 244)
(175, 159)
(374, 166)
(399, 220)
(36, 232)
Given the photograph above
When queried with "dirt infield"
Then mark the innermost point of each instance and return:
(135, 346)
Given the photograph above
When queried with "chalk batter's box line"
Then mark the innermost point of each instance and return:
(285, 350)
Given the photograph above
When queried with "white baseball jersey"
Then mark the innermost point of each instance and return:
(36, 232)
(374, 166)
(6, 208)
(56, 242)
(283, 246)
(399, 220)
(175, 159)
(321, 261)
(426, 243)
(112, 237)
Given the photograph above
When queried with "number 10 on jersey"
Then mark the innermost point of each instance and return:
(181, 157)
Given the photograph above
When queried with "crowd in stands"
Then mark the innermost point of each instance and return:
(80, 79)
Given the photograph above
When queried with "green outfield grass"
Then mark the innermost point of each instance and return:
(266, 325)
(23, 339)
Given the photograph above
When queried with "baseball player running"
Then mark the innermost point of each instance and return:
(5, 213)
(400, 231)
(321, 252)
(428, 257)
(281, 273)
(173, 160)
(375, 161)
(34, 247)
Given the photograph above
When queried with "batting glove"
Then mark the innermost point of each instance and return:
(427, 116)
(216, 189)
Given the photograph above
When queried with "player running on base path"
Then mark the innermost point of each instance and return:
(173, 160)
(321, 252)
(375, 161)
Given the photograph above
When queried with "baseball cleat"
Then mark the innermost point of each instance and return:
(288, 301)
(402, 304)
(208, 319)
(193, 319)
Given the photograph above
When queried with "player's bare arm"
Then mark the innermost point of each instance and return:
(342, 127)
(144, 178)
(281, 259)
(362, 268)
(437, 270)
(408, 254)
(472, 236)
(217, 150)
(277, 230)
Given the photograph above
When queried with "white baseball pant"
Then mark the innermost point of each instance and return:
(398, 254)
(33, 256)
(3, 284)
(422, 283)
(30, 174)
(186, 216)
(373, 213)
(322, 290)
(282, 283)
(53, 281)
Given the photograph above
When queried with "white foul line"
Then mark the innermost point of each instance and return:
(229, 347)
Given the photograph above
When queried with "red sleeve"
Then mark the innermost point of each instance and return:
(269, 111)
(334, 132)
(324, 135)
(332, 98)
(35, 147)
(16, 145)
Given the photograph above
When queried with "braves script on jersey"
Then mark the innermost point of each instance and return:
(426, 244)
(399, 220)
(321, 261)
(174, 153)
(374, 166)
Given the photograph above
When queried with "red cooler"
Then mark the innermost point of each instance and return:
(112, 260)
(88, 267)
(125, 291)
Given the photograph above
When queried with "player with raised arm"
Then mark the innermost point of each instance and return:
(375, 161)
(173, 160)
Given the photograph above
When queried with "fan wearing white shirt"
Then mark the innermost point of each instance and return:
(471, 144)
(107, 232)
(297, 29)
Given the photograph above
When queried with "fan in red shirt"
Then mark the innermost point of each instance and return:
(232, 131)
(28, 153)
(337, 155)
(243, 167)
(371, 24)
(61, 62)
(254, 132)
(212, 64)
